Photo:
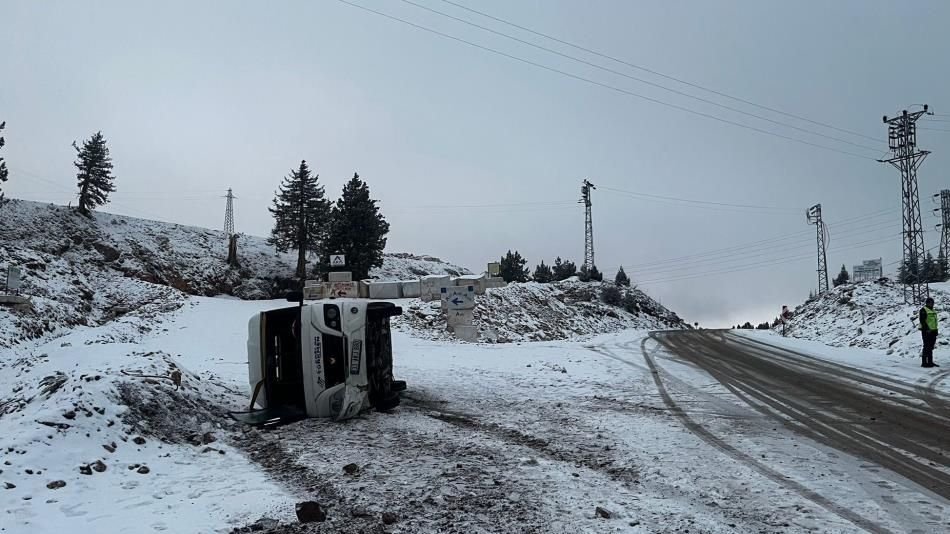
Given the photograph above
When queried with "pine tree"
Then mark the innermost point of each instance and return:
(513, 267)
(909, 272)
(563, 270)
(357, 230)
(3, 165)
(622, 279)
(595, 275)
(928, 269)
(943, 267)
(842, 277)
(95, 180)
(301, 216)
(543, 273)
(584, 274)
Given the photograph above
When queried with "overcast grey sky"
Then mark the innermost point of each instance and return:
(472, 153)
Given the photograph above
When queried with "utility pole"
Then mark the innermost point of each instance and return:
(944, 226)
(813, 216)
(586, 186)
(902, 141)
(229, 229)
(229, 214)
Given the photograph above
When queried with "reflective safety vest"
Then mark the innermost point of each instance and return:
(931, 318)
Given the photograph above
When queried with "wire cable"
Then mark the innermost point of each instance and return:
(641, 80)
(743, 259)
(756, 265)
(784, 237)
(603, 85)
(660, 74)
(694, 201)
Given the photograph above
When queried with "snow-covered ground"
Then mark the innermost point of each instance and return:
(877, 361)
(869, 315)
(490, 438)
(72, 406)
(533, 311)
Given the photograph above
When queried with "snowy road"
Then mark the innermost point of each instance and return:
(667, 432)
(899, 429)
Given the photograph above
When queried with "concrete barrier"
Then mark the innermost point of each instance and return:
(481, 282)
(340, 276)
(431, 286)
(341, 290)
(364, 289)
(411, 288)
(385, 290)
(468, 279)
(311, 292)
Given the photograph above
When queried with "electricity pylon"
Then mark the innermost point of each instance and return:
(586, 186)
(813, 216)
(902, 141)
(944, 226)
(229, 229)
(229, 214)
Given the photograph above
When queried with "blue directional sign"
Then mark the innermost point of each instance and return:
(458, 297)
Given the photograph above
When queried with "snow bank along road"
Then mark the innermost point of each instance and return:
(899, 429)
(667, 432)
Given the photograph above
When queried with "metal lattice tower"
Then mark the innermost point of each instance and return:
(813, 215)
(902, 141)
(944, 225)
(586, 186)
(229, 214)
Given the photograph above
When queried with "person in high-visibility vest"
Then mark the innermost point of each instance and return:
(928, 331)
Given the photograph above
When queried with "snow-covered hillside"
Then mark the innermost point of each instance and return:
(870, 315)
(543, 312)
(405, 266)
(88, 271)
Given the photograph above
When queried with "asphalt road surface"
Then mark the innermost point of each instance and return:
(902, 427)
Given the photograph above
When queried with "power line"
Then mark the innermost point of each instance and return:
(744, 257)
(775, 239)
(660, 74)
(932, 129)
(604, 85)
(502, 204)
(703, 202)
(35, 176)
(758, 265)
(641, 80)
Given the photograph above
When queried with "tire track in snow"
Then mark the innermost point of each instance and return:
(764, 470)
(541, 446)
(928, 395)
(899, 436)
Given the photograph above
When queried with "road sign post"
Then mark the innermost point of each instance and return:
(786, 315)
(458, 304)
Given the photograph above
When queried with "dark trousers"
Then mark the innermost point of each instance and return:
(930, 339)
